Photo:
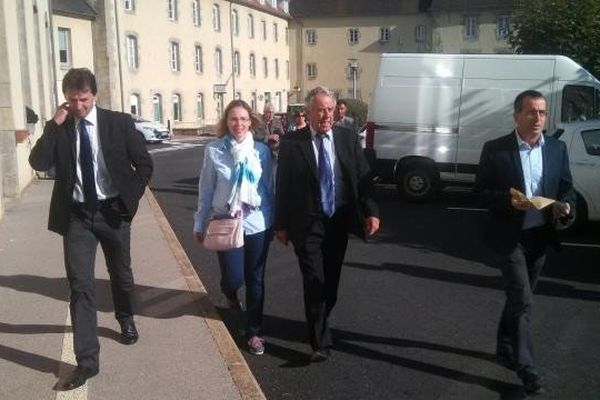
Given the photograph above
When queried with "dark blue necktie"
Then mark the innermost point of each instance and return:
(326, 178)
(86, 161)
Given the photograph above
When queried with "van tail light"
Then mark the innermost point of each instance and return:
(370, 136)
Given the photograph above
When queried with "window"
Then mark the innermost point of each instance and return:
(263, 29)
(196, 12)
(265, 67)
(503, 27)
(134, 104)
(129, 5)
(216, 16)
(420, 33)
(471, 28)
(218, 61)
(311, 70)
(253, 101)
(176, 100)
(275, 33)
(311, 37)
(287, 35)
(172, 9)
(287, 70)
(198, 64)
(252, 65)
(200, 106)
(384, 34)
(64, 47)
(157, 108)
(132, 52)
(274, 3)
(238, 95)
(276, 64)
(591, 141)
(250, 26)
(353, 36)
(236, 63)
(235, 23)
(174, 56)
(580, 103)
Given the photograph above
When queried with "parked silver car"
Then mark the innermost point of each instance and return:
(153, 132)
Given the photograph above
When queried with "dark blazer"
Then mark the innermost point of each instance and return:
(298, 194)
(125, 155)
(500, 169)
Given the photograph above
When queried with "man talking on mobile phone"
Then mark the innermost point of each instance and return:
(102, 168)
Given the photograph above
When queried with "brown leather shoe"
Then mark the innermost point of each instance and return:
(320, 355)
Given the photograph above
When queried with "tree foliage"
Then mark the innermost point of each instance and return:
(566, 27)
(357, 109)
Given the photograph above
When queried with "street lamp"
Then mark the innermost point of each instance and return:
(353, 69)
(295, 91)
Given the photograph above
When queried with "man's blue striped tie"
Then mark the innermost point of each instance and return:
(326, 177)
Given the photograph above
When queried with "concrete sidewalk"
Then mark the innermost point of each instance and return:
(184, 351)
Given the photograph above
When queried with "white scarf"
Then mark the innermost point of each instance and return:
(245, 174)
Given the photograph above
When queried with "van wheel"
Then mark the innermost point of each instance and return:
(418, 182)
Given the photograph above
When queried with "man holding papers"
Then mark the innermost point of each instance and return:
(525, 181)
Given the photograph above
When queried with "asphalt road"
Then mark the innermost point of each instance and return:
(418, 305)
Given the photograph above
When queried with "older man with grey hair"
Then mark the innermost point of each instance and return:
(324, 191)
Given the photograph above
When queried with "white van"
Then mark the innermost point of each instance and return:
(431, 113)
(583, 143)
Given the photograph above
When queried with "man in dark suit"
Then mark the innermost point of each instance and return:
(518, 232)
(102, 168)
(324, 191)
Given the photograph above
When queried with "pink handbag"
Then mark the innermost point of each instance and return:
(224, 234)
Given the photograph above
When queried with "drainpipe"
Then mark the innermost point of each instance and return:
(120, 68)
(232, 50)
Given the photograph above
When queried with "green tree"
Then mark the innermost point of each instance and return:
(566, 27)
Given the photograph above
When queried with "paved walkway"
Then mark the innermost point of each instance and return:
(184, 351)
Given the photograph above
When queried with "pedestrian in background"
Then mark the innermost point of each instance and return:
(341, 119)
(236, 178)
(519, 233)
(324, 192)
(102, 168)
(300, 121)
(269, 130)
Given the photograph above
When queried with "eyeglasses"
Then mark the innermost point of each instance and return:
(300, 115)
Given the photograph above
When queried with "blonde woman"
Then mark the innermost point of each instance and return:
(236, 178)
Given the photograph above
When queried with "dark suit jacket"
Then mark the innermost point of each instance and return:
(500, 169)
(125, 155)
(298, 194)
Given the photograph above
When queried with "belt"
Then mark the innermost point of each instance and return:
(101, 203)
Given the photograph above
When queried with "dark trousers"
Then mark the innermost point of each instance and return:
(247, 265)
(521, 269)
(320, 255)
(86, 230)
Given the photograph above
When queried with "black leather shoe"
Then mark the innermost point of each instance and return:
(533, 387)
(129, 334)
(79, 377)
(320, 355)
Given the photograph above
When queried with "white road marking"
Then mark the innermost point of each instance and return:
(175, 147)
(68, 357)
(596, 246)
